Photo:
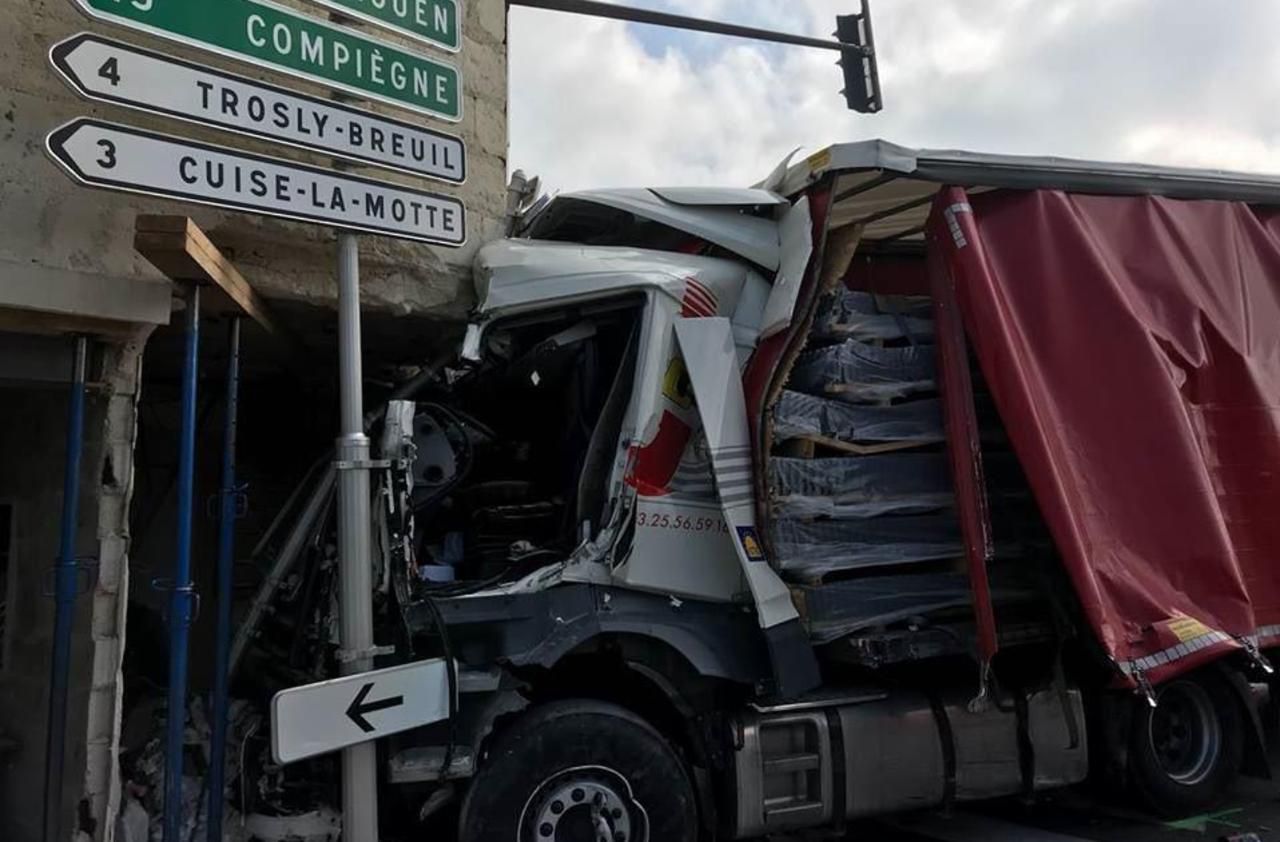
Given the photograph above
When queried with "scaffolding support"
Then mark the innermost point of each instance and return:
(181, 588)
(65, 587)
(228, 499)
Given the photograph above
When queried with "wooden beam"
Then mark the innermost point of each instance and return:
(177, 247)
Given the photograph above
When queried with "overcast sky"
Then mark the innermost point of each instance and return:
(603, 103)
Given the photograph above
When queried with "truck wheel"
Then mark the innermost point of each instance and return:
(1185, 752)
(580, 771)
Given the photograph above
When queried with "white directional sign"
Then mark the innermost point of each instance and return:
(324, 717)
(111, 71)
(116, 157)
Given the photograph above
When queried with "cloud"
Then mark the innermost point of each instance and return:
(597, 103)
(1195, 145)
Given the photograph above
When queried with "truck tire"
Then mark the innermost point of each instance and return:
(1185, 752)
(580, 771)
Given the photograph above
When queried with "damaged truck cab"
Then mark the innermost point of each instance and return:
(662, 659)
(738, 515)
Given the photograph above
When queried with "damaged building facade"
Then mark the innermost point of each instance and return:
(69, 267)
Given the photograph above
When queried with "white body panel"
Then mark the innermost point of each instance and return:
(717, 384)
(683, 548)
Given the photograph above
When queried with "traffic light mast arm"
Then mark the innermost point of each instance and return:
(856, 45)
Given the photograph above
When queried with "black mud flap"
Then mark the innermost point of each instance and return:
(795, 666)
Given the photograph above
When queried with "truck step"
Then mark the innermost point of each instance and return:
(792, 764)
(791, 810)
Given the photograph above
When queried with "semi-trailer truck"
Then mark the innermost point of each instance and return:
(904, 478)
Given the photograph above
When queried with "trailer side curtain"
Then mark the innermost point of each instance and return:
(1132, 345)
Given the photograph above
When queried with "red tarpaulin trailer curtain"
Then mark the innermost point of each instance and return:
(1132, 346)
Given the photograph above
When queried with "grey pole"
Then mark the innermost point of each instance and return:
(355, 551)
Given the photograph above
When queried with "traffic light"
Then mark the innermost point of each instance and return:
(861, 75)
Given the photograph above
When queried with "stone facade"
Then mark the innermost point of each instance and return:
(57, 231)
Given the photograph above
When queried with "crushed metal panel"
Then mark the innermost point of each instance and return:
(864, 155)
(742, 197)
(707, 345)
(797, 249)
(751, 237)
(513, 274)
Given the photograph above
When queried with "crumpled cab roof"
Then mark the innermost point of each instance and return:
(739, 220)
(512, 274)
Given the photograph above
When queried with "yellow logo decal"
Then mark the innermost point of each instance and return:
(676, 386)
(751, 543)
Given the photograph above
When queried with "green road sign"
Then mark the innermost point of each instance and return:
(433, 21)
(268, 35)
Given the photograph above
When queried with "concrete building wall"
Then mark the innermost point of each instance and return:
(32, 477)
(32, 455)
(97, 781)
(58, 234)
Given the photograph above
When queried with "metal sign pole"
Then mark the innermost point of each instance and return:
(355, 551)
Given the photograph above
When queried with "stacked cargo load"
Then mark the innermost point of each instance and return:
(863, 506)
(859, 478)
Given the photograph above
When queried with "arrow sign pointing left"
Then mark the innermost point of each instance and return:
(359, 707)
(331, 715)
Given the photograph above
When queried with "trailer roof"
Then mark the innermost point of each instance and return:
(888, 188)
